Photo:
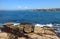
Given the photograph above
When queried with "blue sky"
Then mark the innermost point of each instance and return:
(27, 4)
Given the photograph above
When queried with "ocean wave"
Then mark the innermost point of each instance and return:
(41, 25)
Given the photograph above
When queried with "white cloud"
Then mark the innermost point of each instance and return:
(22, 7)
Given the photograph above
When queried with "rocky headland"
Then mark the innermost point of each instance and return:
(16, 32)
(39, 33)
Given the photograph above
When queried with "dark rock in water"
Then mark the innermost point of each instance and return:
(58, 34)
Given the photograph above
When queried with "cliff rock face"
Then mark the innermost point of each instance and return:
(39, 33)
(44, 30)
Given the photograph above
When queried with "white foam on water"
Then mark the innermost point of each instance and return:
(16, 24)
(42, 25)
(50, 25)
(39, 25)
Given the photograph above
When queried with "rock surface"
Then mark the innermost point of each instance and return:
(39, 33)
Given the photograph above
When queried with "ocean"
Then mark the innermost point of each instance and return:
(30, 16)
(36, 17)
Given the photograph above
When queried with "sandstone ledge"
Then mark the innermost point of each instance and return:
(39, 33)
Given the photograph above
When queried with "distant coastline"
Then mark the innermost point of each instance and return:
(48, 10)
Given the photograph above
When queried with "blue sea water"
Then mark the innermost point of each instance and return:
(30, 16)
